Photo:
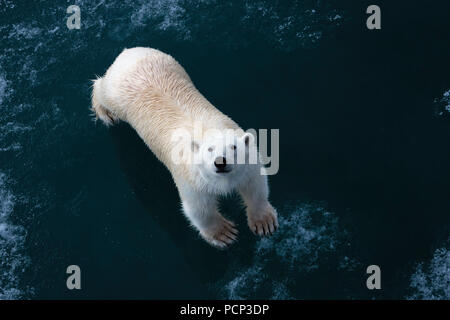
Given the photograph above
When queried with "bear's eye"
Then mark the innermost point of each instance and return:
(233, 147)
(210, 149)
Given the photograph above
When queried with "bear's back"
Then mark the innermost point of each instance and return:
(139, 71)
(152, 92)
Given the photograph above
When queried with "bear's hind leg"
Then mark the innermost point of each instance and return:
(201, 210)
(100, 111)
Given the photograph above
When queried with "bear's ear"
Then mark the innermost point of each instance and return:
(195, 146)
(248, 139)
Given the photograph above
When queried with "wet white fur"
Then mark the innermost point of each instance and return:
(152, 92)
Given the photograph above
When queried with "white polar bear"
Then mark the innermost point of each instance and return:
(152, 92)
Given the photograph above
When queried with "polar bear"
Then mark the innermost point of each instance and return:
(153, 93)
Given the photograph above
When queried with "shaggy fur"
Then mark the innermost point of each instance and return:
(152, 92)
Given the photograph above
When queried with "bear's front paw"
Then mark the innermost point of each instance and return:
(263, 221)
(222, 234)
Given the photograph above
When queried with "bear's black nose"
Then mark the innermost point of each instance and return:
(220, 163)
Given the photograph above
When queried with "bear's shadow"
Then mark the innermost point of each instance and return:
(153, 186)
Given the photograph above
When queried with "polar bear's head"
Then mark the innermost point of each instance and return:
(222, 159)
